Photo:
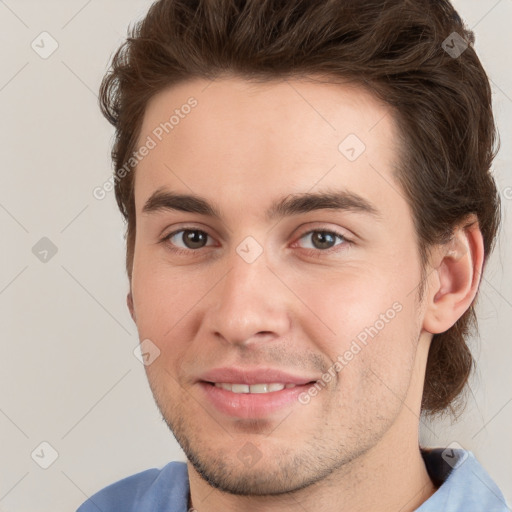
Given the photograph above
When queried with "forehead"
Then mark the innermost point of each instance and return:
(239, 139)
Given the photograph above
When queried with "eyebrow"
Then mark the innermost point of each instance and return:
(293, 204)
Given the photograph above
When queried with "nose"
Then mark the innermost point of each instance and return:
(251, 304)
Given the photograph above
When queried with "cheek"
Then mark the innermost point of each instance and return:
(378, 362)
(162, 297)
(348, 303)
(372, 330)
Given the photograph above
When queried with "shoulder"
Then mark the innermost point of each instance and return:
(152, 490)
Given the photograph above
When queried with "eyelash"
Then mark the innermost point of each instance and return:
(310, 252)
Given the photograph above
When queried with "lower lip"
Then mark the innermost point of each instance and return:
(251, 405)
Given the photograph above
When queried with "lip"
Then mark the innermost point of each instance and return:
(252, 405)
(249, 376)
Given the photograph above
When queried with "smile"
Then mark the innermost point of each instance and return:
(253, 388)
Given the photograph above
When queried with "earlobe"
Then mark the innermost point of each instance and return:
(129, 302)
(454, 283)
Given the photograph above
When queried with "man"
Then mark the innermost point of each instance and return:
(309, 209)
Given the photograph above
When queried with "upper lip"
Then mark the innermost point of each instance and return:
(253, 376)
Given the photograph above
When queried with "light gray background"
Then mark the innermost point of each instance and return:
(68, 375)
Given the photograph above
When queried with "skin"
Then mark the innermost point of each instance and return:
(354, 446)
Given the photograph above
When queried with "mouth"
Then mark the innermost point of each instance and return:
(255, 388)
(252, 392)
(252, 401)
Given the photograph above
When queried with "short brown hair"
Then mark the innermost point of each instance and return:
(397, 49)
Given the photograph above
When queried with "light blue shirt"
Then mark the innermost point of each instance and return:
(464, 486)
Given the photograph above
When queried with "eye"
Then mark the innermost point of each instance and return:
(187, 241)
(324, 240)
(192, 239)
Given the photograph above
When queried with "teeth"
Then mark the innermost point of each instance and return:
(239, 388)
(260, 388)
(253, 388)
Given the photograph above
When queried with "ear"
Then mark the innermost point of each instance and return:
(454, 281)
(129, 302)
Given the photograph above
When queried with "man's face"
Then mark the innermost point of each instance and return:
(318, 294)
